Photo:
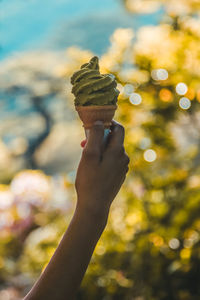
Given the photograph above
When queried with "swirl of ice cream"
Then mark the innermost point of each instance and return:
(92, 88)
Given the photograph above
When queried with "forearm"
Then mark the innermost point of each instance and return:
(63, 275)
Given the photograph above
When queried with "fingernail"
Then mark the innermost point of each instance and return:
(83, 143)
(98, 123)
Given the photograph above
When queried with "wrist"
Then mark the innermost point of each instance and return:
(96, 215)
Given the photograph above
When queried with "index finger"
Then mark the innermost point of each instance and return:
(95, 139)
(116, 137)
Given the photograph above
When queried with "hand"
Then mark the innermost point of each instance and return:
(101, 172)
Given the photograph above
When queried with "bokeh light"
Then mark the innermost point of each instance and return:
(150, 155)
(181, 88)
(159, 74)
(135, 98)
(174, 243)
(166, 95)
(128, 89)
(184, 103)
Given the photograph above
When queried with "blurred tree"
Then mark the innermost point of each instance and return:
(30, 83)
(35, 143)
(151, 248)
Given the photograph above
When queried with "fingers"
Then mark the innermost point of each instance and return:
(115, 149)
(93, 146)
(116, 138)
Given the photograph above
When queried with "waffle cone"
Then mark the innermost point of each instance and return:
(90, 114)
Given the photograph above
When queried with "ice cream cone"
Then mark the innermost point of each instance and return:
(95, 96)
(90, 114)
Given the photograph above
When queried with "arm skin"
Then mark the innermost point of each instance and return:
(100, 175)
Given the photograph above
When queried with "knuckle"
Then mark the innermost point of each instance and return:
(125, 172)
(90, 153)
(125, 169)
(119, 153)
(119, 150)
(127, 159)
(98, 129)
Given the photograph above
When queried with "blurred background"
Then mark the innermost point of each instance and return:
(151, 247)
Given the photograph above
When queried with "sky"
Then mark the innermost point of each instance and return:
(49, 24)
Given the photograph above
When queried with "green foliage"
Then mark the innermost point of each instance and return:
(151, 247)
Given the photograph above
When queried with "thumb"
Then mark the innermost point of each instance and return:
(95, 139)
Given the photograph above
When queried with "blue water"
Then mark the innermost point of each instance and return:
(57, 24)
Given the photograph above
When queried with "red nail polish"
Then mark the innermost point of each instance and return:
(83, 143)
